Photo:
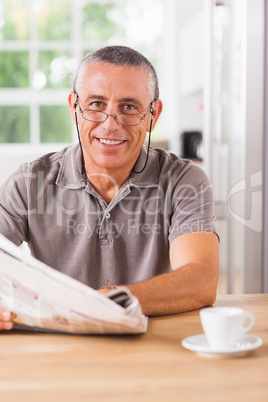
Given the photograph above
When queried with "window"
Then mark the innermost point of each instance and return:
(41, 44)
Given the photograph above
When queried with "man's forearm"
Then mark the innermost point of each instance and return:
(187, 288)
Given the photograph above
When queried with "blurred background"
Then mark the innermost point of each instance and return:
(211, 60)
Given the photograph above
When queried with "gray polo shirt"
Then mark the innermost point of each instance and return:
(68, 225)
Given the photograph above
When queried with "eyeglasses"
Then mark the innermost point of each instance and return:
(126, 119)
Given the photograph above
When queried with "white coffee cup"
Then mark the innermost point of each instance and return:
(223, 326)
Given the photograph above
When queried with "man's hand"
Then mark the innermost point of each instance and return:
(106, 288)
(6, 319)
(104, 291)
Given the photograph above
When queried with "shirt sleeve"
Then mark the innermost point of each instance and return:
(13, 206)
(192, 202)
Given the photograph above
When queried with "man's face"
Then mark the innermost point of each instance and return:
(109, 146)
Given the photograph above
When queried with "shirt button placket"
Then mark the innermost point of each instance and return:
(104, 240)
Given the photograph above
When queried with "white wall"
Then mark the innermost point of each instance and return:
(182, 42)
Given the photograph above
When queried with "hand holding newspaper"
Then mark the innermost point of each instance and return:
(42, 297)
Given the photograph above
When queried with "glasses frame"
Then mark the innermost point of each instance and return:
(113, 115)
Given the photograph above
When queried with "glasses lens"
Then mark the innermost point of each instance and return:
(123, 118)
(128, 119)
(97, 117)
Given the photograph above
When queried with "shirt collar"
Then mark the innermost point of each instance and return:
(69, 175)
(150, 175)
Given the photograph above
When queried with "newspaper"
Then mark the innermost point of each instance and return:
(46, 299)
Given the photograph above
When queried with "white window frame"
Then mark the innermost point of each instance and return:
(35, 98)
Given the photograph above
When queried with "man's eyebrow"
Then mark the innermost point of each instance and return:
(132, 100)
(92, 96)
(125, 100)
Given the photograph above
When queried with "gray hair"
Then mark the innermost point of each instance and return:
(123, 56)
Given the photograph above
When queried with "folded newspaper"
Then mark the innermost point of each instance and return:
(45, 299)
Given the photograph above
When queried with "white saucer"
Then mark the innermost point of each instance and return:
(198, 343)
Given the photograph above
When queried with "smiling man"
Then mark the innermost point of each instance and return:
(115, 107)
(111, 209)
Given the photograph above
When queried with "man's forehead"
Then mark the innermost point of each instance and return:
(124, 72)
(132, 80)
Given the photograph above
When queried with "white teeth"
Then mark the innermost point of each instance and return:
(110, 142)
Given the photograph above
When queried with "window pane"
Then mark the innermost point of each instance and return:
(14, 20)
(55, 124)
(57, 69)
(54, 21)
(97, 21)
(14, 69)
(15, 124)
(86, 52)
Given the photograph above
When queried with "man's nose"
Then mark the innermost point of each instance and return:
(111, 122)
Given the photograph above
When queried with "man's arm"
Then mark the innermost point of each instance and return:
(193, 282)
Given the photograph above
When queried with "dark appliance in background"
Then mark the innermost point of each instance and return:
(191, 145)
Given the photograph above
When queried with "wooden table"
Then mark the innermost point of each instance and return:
(151, 367)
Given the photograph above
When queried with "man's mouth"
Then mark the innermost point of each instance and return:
(110, 142)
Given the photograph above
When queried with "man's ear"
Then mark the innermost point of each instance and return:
(71, 100)
(155, 113)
